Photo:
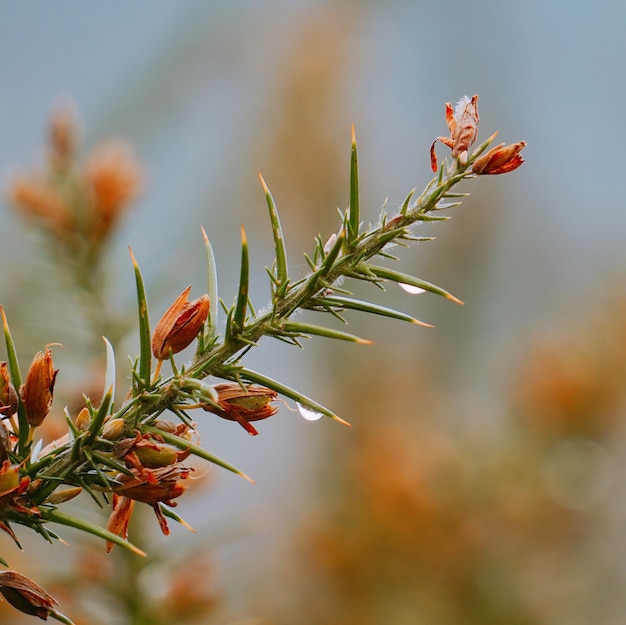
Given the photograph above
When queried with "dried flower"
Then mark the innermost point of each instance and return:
(23, 594)
(499, 160)
(154, 485)
(180, 325)
(37, 390)
(243, 405)
(462, 121)
(151, 486)
(8, 394)
(120, 518)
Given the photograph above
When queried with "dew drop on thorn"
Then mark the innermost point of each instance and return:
(308, 414)
(409, 288)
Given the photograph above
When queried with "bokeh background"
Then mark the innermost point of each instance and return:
(482, 481)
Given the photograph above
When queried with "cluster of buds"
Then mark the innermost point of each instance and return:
(78, 203)
(13, 496)
(36, 398)
(462, 121)
(157, 476)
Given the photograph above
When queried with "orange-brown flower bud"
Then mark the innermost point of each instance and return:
(8, 394)
(114, 176)
(38, 389)
(62, 137)
(24, 595)
(499, 160)
(462, 122)
(35, 198)
(243, 405)
(180, 325)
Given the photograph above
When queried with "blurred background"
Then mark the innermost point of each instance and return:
(482, 480)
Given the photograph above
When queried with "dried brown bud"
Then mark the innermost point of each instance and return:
(462, 121)
(37, 390)
(499, 160)
(24, 595)
(180, 325)
(8, 394)
(243, 405)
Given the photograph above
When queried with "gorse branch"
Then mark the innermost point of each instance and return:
(123, 452)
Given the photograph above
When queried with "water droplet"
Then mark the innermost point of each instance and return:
(308, 413)
(409, 288)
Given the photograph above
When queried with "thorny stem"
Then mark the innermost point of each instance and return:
(368, 247)
(166, 392)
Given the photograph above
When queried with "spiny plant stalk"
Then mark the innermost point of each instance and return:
(124, 452)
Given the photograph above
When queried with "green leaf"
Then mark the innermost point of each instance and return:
(407, 202)
(186, 445)
(239, 315)
(145, 351)
(404, 278)
(367, 307)
(56, 516)
(212, 287)
(277, 233)
(282, 389)
(354, 214)
(303, 329)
